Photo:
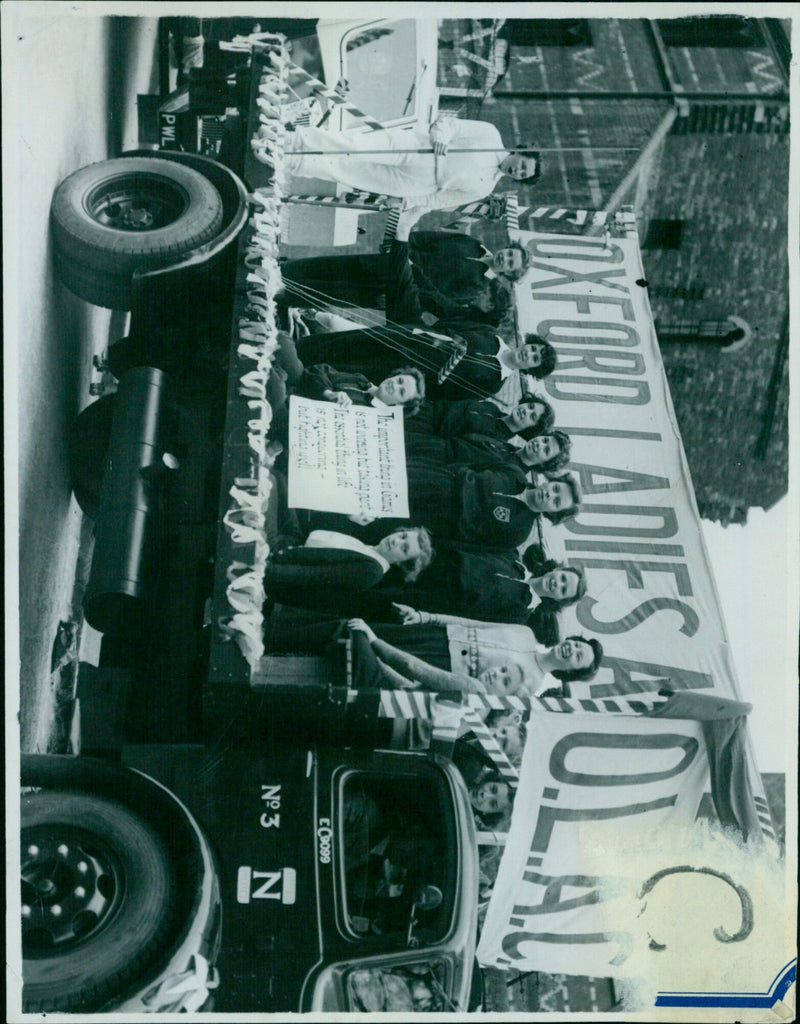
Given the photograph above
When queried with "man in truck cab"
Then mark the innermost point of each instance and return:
(388, 857)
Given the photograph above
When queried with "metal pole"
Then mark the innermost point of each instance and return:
(510, 152)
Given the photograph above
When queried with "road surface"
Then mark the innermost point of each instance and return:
(70, 85)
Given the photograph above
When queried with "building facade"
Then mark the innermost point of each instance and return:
(688, 120)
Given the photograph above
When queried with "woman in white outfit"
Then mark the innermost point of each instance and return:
(437, 180)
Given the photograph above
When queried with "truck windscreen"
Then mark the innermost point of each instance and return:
(397, 841)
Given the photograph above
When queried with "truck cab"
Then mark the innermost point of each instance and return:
(347, 876)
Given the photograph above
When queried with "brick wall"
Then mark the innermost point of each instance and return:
(731, 194)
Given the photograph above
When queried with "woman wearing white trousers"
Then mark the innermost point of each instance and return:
(437, 180)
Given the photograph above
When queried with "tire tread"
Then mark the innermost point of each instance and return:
(91, 993)
(96, 261)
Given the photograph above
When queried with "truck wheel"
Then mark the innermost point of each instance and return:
(110, 218)
(88, 448)
(96, 897)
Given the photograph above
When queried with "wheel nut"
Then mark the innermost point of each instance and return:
(55, 910)
(80, 891)
(63, 850)
(33, 851)
(83, 867)
(26, 910)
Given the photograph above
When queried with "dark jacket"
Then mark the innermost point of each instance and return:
(361, 280)
(322, 377)
(448, 261)
(377, 352)
(456, 504)
(471, 450)
(300, 569)
(471, 416)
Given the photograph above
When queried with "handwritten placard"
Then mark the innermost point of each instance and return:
(347, 460)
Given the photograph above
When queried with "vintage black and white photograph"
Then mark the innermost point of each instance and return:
(401, 533)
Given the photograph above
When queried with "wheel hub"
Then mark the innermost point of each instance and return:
(136, 217)
(70, 887)
(134, 202)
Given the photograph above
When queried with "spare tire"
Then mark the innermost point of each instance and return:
(97, 892)
(89, 437)
(110, 218)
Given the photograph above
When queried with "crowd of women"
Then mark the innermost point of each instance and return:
(459, 597)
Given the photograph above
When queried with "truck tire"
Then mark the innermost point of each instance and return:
(110, 218)
(87, 450)
(96, 900)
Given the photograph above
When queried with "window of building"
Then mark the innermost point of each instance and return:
(663, 234)
(715, 30)
(547, 32)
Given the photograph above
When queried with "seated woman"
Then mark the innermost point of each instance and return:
(546, 453)
(404, 386)
(531, 416)
(496, 654)
(333, 560)
(485, 585)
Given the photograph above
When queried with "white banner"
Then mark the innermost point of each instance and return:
(600, 799)
(651, 598)
(606, 871)
(585, 781)
(350, 460)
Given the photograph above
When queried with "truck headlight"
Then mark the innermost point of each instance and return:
(416, 988)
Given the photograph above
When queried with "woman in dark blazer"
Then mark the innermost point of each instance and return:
(546, 453)
(330, 560)
(531, 416)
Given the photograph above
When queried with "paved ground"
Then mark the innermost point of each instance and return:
(70, 84)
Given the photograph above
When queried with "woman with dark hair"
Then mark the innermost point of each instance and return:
(529, 166)
(492, 508)
(549, 355)
(580, 659)
(497, 659)
(545, 453)
(533, 597)
(492, 798)
(531, 416)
